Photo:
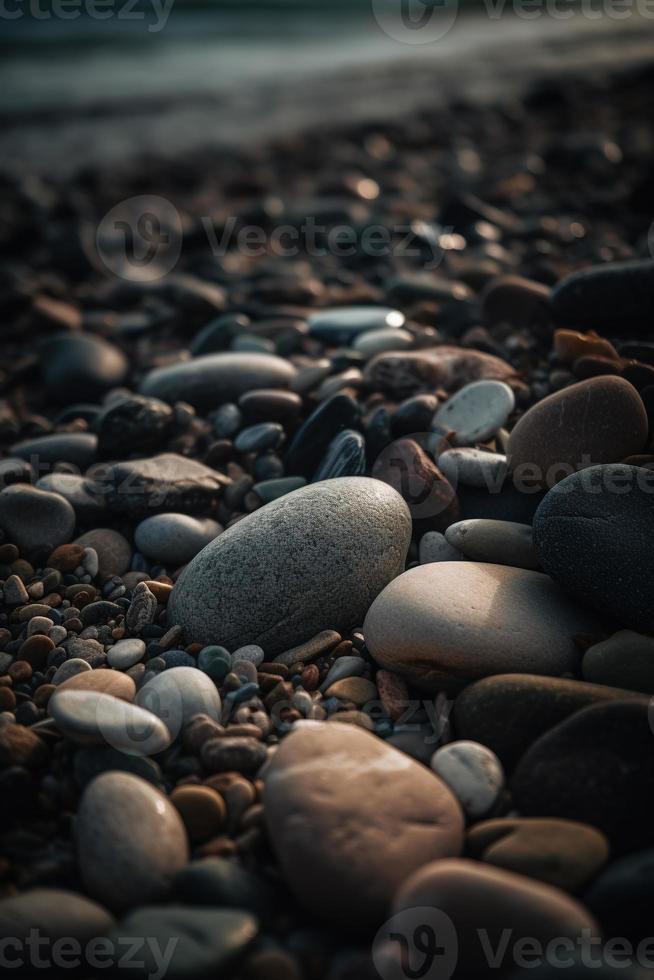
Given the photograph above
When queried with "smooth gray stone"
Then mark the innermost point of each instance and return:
(476, 411)
(70, 668)
(81, 493)
(497, 542)
(340, 325)
(435, 547)
(474, 468)
(213, 379)
(312, 560)
(90, 717)
(77, 367)
(56, 913)
(126, 653)
(131, 841)
(174, 539)
(78, 448)
(473, 773)
(34, 520)
(343, 667)
(177, 694)
(202, 943)
(377, 341)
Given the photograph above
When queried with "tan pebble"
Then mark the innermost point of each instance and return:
(161, 590)
(7, 699)
(393, 693)
(354, 718)
(570, 345)
(106, 681)
(43, 694)
(358, 690)
(321, 643)
(202, 810)
(20, 671)
(218, 847)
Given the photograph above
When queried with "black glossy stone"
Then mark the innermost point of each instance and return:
(133, 425)
(617, 296)
(219, 333)
(414, 416)
(76, 367)
(312, 439)
(77, 448)
(346, 456)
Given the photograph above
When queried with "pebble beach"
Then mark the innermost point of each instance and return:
(326, 568)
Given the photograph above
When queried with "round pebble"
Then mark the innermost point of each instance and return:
(476, 412)
(473, 773)
(174, 538)
(93, 717)
(179, 693)
(126, 653)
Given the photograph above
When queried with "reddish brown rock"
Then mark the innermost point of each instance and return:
(409, 372)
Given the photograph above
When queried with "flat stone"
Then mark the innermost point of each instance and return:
(201, 942)
(473, 773)
(56, 913)
(70, 668)
(558, 775)
(410, 372)
(600, 420)
(77, 448)
(509, 712)
(515, 300)
(130, 841)
(356, 689)
(497, 542)
(341, 325)
(126, 653)
(345, 456)
(591, 535)
(168, 482)
(377, 341)
(113, 549)
(616, 296)
(562, 853)
(312, 560)
(475, 412)
(213, 379)
(269, 490)
(34, 520)
(324, 783)
(103, 681)
(483, 902)
(474, 468)
(78, 366)
(90, 717)
(448, 622)
(174, 538)
(177, 694)
(626, 659)
(435, 547)
(341, 668)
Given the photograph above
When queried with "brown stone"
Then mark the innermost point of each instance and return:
(66, 557)
(35, 651)
(160, 590)
(409, 372)
(515, 300)
(406, 467)
(358, 690)
(569, 345)
(348, 811)
(601, 420)
(563, 853)
(202, 810)
(20, 746)
(393, 693)
(7, 699)
(103, 680)
(321, 643)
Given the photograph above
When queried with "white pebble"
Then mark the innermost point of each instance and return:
(473, 773)
(476, 412)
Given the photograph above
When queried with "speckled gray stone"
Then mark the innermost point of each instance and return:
(126, 653)
(213, 379)
(130, 840)
(174, 538)
(314, 559)
(34, 520)
(451, 621)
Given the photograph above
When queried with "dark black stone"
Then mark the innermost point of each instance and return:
(592, 533)
(596, 767)
(313, 438)
(90, 762)
(76, 448)
(618, 297)
(346, 456)
(80, 366)
(219, 881)
(133, 425)
(622, 897)
(218, 334)
(414, 416)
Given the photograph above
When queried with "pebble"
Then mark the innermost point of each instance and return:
(125, 653)
(179, 693)
(358, 690)
(270, 405)
(343, 325)
(515, 300)
(496, 542)
(321, 643)
(557, 776)
(345, 456)
(112, 548)
(447, 622)
(614, 296)
(601, 420)
(34, 520)
(102, 681)
(173, 539)
(509, 712)
(311, 441)
(626, 659)
(20, 746)
(341, 668)
(269, 490)
(133, 423)
(90, 717)
(434, 546)
(620, 897)
(324, 783)
(200, 942)
(259, 438)
(481, 903)
(569, 346)
(80, 366)
(168, 482)
(130, 841)
(295, 576)
(90, 761)
(473, 773)
(406, 467)
(411, 372)
(374, 342)
(213, 379)
(54, 914)
(476, 412)
(70, 668)
(219, 882)
(77, 448)
(252, 653)
(562, 853)
(474, 468)
(14, 592)
(589, 536)
(234, 754)
(202, 810)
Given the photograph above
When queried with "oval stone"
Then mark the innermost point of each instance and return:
(625, 659)
(177, 694)
(36, 521)
(475, 412)
(601, 420)
(90, 717)
(618, 296)
(359, 798)
(497, 542)
(80, 366)
(103, 681)
(213, 379)
(473, 773)
(56, 914)
(174, 538)
(313, 560)
(474, 468)
(130, 841)
(446, 622)
(342, 324)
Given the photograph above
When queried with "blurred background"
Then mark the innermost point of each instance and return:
(85, 82)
